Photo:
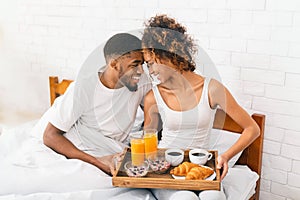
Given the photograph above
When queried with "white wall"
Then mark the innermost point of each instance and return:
(254, 43)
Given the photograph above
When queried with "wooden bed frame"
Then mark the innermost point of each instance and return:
(56, 88)
(251, 156)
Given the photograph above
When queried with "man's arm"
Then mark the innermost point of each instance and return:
(53, 138)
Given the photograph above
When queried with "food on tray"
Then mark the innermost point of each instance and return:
(159, 165)
(192, 171)
(136, 171)
(183, 169)
(199, 173)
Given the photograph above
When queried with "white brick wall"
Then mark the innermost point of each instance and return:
(276, 162)
(278, 5)
(268, 18)
(274, 133)
(254, 43)
(287, 64)
(272, 147)
(278, 176)
(296, 167)
(241, 17)
(294, 50)
(285, 190)
(293, 179)
(268, 195)
(268, 47)
(263, 76)
(283, 93)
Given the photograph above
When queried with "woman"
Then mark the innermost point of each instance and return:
(185, 101)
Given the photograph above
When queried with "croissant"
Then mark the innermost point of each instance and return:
(183, 169)
(199, 173)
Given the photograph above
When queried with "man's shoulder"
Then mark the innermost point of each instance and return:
(86, 81)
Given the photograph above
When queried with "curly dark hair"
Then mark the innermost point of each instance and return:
(168, 39)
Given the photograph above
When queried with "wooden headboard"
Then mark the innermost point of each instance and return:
(251, 156)
(56, 88)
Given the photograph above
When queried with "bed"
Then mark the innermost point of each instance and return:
(249, 160)
(251, 156)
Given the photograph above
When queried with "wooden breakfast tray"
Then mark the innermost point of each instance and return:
(166, 181)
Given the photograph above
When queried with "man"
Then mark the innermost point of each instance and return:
(98, 113)
(88, 125)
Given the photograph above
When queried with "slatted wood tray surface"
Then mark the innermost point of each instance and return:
(165, 181)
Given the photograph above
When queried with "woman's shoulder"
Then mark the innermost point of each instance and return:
(149, 99)
(215, 85)
(217, 92)
(149, 95)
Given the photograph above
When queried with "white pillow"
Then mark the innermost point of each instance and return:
(239, 183)
(222, 140)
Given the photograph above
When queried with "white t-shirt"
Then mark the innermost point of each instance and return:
(95, 118)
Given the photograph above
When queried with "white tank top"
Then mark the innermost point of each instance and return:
(186, 129)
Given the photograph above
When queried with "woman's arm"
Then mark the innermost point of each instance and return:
(53, 138)
(151, 114)
(220, 96)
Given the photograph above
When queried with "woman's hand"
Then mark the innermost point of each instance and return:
(222, 163)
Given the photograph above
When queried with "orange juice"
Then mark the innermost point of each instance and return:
(150, 138)
(137, 151)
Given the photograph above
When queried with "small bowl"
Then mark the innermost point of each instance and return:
(174, 156)
(136, 171)
(159, 165)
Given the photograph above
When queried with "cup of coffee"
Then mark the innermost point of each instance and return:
(199, 156)
(174, 156)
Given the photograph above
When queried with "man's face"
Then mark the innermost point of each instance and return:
(131, 69)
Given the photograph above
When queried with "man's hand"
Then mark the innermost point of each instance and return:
(222, 162)
(110, 162)
(53, 138)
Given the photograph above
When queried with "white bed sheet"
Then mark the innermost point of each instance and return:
(30, 170)
(26, 164)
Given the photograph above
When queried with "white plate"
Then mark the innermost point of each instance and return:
(210, 178)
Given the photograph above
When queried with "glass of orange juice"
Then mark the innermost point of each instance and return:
(137, 150)
(150, 139)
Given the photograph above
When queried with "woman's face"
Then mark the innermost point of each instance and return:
(158, 67)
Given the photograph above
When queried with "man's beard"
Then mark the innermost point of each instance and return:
(131, 88)
(125, 80)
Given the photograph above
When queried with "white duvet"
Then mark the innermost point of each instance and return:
(29, 170)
